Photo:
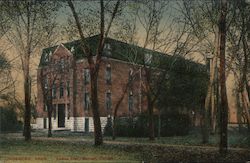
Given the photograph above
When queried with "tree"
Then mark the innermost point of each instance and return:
(28, 21)
(160, 35)
(94, 63)
(7, 82)
(50, 78)
(132, 76)
(202, 20)
(224, 102)
(239, 55)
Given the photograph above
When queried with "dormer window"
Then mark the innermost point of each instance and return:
(148, 58)
(72, 50)
(107, 49)
(47, 56)
(46, 59)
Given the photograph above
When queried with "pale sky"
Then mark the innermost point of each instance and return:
(62, 17)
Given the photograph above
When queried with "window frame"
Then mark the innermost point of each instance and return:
(131, 101)
(86, 74)
(54, 111)
(61, 91)
(86, 101)
(108, 100)
(54, 91)
(108, 74)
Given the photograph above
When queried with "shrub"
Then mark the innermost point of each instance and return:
(108, 129)
(8, 120)
(172, 124)
(175, 124)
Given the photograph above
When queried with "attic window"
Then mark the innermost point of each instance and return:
(72, 50)
(62, 63)
(148, 58)
(47, 56)
(46, 59)
(107, 49)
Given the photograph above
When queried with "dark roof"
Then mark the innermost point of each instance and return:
(129, 53)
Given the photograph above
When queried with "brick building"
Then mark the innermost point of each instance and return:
(115, 71)
(71, 87)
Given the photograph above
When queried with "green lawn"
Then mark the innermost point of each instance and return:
(77, 147)
(234, 140)
(50, 151)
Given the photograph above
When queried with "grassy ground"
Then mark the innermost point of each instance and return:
(235, 139)
(77, 147)
(12, 150)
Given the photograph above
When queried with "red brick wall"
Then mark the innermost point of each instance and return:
(119, 78)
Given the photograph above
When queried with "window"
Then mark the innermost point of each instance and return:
(45, 107)
(108, 74)
(54, 111)
(108, 100)
(130, 74)
(86, 101)
(61, 89)
(72, 50)
(47, 56)
(148, 58)
(68, 88)
(86, 76)
(68, 107)
(54, 91)
(62, 63)
(86, 125)
(130, 101)
(107, 49)
(46, 83)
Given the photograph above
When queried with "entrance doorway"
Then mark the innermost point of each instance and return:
(61, 115)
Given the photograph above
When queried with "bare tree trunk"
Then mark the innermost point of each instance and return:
(213, 110)
(224, 102)
(49, 118)
(246, 105)
(244, 93)
(117, 107)
(151, 118)
(115, 112)
(74, 93)
(50, 109)
(210, 100)
(95, 109)
(114, 128)
(27, 114)
(94, 64)
(159, 124)
(239, 112)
